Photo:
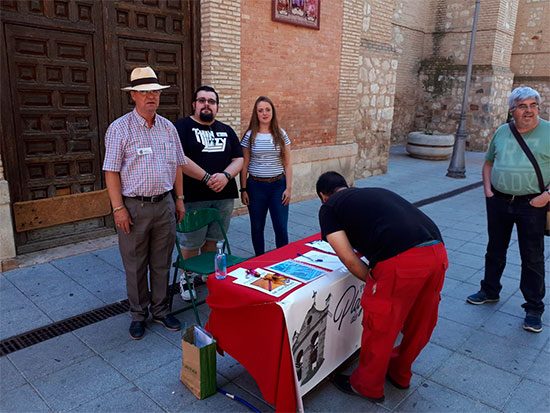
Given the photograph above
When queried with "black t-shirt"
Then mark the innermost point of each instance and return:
(212, 147)
(378, 223)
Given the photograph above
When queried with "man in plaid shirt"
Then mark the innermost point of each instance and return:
(143, 163)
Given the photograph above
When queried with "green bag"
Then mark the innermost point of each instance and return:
(198, 368)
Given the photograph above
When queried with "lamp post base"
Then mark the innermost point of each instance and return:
(456, 174)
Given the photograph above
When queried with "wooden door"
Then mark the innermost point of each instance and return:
(53, 123)
(63, 64)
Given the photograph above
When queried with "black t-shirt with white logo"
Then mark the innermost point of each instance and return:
(212, 147)
(378, 223)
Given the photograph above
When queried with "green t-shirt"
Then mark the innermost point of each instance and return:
(512, 171)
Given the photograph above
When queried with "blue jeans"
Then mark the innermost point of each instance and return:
(502, 214)
(264, 196)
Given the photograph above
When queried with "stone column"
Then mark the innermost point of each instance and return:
(376, 86)
(7, 241)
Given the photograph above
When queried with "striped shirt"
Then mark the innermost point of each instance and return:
(146, 158)
(265, 157)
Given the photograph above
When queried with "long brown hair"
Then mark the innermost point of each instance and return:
(254, 126)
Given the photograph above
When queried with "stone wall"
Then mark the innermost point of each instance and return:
(531, 50)
(487, 102)
(442, 75)
(377, 78)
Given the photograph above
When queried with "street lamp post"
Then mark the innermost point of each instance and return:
(457, 167)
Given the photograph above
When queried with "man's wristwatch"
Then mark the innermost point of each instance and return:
(227, 175)
(180, 197)
(242, 190)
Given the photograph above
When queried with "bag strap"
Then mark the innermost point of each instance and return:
(529, 154)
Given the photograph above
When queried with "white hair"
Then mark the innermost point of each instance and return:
(522, 93)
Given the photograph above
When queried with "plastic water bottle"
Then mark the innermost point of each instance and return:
(221, 262)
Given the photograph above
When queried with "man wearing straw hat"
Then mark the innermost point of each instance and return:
(143, 163)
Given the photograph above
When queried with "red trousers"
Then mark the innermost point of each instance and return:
(402, 295)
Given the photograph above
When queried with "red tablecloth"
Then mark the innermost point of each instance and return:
(250, 326)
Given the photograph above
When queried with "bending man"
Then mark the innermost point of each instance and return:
(407, 264)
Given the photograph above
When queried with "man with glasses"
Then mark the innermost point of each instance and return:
(513, 196)
(143, 163)
(215, 149)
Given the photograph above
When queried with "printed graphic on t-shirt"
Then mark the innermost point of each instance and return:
(212, 142)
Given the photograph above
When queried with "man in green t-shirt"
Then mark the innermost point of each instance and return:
(513, 196)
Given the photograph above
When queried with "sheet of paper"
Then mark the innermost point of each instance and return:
(297, 270)
(239, 273)
(320, 259)
(321, 245)
(268, 282)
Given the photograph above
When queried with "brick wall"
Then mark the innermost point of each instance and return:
(221, 55)
(355, 16)
(297, 67)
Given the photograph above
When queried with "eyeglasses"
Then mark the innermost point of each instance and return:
(146, 92)
(523, 106)
(202, 101)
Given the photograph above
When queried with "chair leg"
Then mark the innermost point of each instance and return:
(173, 288)
(192, 294)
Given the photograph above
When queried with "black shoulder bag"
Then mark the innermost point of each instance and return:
(531, 157)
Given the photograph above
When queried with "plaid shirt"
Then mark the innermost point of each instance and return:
(146, 158)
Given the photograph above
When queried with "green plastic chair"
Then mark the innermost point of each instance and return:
(202, 264)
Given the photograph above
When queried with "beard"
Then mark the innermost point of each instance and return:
(206, 117)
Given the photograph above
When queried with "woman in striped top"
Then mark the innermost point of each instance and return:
(266, 177)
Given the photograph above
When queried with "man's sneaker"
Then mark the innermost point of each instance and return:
(137, 329)
(169, 322)
(186, 295)
(533, 323)
(481, 298)
(185, 292)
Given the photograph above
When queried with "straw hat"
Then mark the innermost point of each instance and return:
(144, 78)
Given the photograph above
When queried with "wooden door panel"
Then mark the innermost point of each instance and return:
(55, 111)
(157, 33)
(56, 123)
(165, 58)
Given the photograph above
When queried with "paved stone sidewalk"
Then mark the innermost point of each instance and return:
(479, 358)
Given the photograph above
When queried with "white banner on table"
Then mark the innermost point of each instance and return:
(323, 320)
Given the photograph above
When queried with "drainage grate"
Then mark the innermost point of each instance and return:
(41, 334)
